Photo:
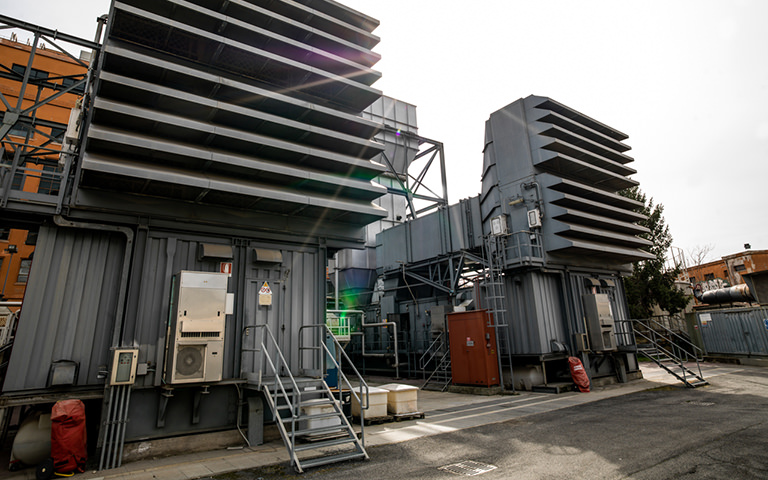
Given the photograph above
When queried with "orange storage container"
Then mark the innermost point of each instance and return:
(472, 337)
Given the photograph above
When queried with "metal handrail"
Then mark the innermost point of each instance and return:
(431, 351)
(441, 365)
(363, 386)
(695, 350)
(278, 385)
(675, 354)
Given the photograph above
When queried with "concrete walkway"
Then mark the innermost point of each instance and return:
(444, 412)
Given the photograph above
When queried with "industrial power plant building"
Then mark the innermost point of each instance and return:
(233, 190)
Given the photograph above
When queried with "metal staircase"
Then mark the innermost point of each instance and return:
(670, 351)
(437, 354)
(308, 414)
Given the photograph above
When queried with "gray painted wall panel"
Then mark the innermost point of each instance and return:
(69, 308)
(295, 300)
(735, 331)
(535, 312)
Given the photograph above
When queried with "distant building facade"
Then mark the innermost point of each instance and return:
(51, 71)
(727, 271)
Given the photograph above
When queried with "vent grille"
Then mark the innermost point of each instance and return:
(200, 334)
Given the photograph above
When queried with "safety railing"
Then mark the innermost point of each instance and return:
(432, 351)
(32, 185)
(662, 344)
(342, 361)
(277, 390)
(522, 248)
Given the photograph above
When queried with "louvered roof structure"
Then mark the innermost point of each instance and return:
(544, 157)
(235, 112)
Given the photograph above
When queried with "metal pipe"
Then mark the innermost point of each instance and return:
(394, 337)
(336, 286)
(102, 434)
(123, 425)
(736, 293)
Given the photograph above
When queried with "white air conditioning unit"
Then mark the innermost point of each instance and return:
(196, 352)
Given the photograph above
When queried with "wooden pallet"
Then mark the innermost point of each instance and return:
(396, 417)
(400, 417)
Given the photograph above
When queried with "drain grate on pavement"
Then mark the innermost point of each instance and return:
(468, 468)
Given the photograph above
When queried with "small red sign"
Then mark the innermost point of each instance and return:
(225, 267)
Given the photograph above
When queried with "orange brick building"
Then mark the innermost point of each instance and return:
(37, 135)
(729, 269)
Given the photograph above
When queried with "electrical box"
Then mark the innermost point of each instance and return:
(600, 325)
(472, 340)
(198, 321)
(499, 225)
(534, 218)
(124, 362)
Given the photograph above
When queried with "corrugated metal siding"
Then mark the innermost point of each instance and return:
(295, 301)
(535, 312)
(69, 308)
(735, 332)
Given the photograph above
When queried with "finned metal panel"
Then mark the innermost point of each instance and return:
(541, 154)
(69, 308)
(742, 331)
(250, 107)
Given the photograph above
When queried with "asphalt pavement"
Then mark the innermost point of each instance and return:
(718, 431)
(645, 429)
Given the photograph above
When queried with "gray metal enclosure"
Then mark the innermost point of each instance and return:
(734, 331)
(217, 137)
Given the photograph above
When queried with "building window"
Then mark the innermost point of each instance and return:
(4, 232)
(58, 134)
(709, 276)
(20, 131)
(739, 268)
(24, 270)
(33, 75)
(49, 180)
(693, 279)
(66, 82)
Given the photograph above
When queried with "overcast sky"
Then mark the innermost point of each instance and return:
(686, 80)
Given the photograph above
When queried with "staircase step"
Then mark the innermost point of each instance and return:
(314, 416)
(316, 462)
(321, 430)
(324, 444)
(699, 383)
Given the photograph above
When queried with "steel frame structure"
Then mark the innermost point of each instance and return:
(411, 184)
(14, 154)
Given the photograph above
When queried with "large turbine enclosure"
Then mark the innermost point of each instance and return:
(550, 180)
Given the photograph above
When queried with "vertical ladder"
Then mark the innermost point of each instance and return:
(494, 254)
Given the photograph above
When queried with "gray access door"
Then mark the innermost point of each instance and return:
(263, 309)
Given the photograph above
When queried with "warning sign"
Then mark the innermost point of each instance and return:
(265, 295)
(225, 267)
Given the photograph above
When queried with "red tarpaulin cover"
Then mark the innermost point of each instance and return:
(578, 374)
(68, 439)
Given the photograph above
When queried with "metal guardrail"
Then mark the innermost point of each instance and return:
(278, 391)
(669, 345)
(431, 351)
(362, 398)
(523, 247)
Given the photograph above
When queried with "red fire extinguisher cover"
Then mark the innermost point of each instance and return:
(578, 374)
(68, 436)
